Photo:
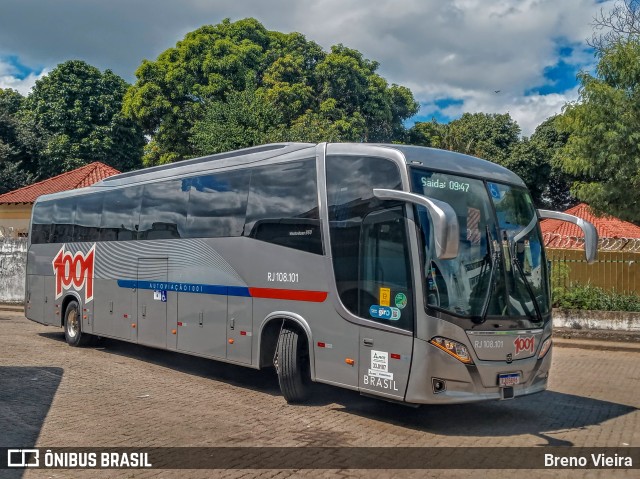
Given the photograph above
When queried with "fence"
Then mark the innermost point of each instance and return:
(619, 270)
(13, 262)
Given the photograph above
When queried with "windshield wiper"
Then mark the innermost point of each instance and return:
(495, 259)
(516, 261)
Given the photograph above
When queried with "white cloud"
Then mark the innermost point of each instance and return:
(528, 111)
(9, 78)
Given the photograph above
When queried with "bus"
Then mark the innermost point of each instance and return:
(407, 273)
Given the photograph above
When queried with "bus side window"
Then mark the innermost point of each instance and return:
(87, 221)
(217, 204)
(283, 206)
(64, 211)
(120, 214)
(368, 240)
(42, 218)
(163, 213)
(384, 265)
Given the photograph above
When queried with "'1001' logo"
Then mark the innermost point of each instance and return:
(524, 344)
(74, 271)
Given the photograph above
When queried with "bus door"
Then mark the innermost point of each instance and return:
(386, 298)
(152, 301)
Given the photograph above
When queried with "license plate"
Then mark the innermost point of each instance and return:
(510, 379)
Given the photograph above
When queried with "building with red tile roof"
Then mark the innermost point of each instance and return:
(15, 206)
(560, 234)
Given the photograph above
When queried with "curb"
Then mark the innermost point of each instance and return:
(11, 307)
(596, 345)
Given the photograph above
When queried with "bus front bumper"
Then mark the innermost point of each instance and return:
(438, 378)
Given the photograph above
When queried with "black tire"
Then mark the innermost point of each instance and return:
(73, 327)
(292, 365)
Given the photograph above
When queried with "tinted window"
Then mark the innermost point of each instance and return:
(217, 204)
(368, 237)
(164, 210)
(384, 265)
(283, 206)
(120, 214)
(64, 211)
(42, 218)
(88, 214)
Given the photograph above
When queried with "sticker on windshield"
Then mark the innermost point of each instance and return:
(494, 190)
(400, 300)
(385, 297)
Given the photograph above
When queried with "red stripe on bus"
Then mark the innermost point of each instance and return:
(290, 294)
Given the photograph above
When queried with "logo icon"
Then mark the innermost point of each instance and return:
(495, 191)
(380, 312)
(23, 458)
(524, 344)
(400, 300)
(74, 271)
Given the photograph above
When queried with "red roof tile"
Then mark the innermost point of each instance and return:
(567, 235)
(84, 176)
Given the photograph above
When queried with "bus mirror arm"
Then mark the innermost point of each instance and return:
(445, 222)
(590, 233)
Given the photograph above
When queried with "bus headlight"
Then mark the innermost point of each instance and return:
(454, 348)
(545, 347)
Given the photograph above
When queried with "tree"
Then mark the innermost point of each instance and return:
(430, 133)
(486, 135)
(194, 86)
(13, 151)
(618, 25)
(603, 149)
(549, 139)
(78, 109)
(245, 119)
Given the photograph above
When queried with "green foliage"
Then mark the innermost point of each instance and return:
(245, 119)
(76, 112)
(527, 160)
(549, 140)
(593, 298)
(300, 91)
(431, 134)
(488, 136)
(603, 149)
(13, 150)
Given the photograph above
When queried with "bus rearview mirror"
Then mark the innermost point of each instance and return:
(443, 217)
(590, 233)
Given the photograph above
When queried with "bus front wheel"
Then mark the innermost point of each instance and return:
(292, 365)
(73, 326)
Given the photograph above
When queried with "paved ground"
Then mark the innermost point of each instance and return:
(120, 394)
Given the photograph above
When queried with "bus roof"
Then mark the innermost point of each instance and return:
(457, 163)
(431, 158)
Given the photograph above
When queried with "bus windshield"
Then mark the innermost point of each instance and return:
(500, 270)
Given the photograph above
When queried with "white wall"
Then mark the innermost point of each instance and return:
(13, 262)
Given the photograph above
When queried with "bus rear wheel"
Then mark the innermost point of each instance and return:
(292, 365)
(73, 326)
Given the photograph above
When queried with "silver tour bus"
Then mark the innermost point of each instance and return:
(407, 273)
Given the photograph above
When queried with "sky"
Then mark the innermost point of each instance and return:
(456, 56)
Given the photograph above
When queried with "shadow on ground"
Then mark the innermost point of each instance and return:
(540, 415)
(26, 394)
